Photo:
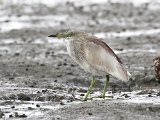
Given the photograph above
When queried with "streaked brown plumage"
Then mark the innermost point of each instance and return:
(94, 56)
(157, 67)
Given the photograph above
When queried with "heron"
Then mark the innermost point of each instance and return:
(94, 56)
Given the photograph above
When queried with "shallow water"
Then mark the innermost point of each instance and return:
(128, 33)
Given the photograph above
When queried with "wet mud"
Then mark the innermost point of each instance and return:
(38, 80)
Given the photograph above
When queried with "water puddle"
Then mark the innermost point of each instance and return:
(50, 3)
(28, 109)
(5, 27)
(26, 18)
(55, 41)
(17, 23)
(128, 33)
(10, 41)
(136, 50)
(5, 50)
(31, 109)
(141, 96)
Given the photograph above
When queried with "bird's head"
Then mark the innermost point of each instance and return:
(65, 34)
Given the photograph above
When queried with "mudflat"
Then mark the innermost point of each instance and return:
(38, 80)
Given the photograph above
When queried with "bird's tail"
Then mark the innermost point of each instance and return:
(121, 73)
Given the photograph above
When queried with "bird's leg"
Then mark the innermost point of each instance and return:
(90, 88)
(105, 87)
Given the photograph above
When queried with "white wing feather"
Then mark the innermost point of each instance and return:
(100, 59)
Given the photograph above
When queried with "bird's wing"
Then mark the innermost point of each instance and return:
(102, 57)
(106, 47)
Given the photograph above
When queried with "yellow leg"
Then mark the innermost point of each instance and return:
(90, 88)
(105, 87)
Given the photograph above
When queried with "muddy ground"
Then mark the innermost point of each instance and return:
(38, 80)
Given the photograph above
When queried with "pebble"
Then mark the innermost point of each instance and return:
(81, 94)
(37, 105)
(16, 114)
(16, 54)
(40, 98)
(126, 96)
(64, 64)
(10, 116)
(30, 108)
(38, 92)
(44, 90)
(62, 103)
(149, 95)
(72, 65)
(22, 116)
(158, 94)
(24, 97)
(55, 80)
(12, 106)
(11, 78)
(90, 114)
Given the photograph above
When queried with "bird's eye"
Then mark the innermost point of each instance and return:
(69, 34)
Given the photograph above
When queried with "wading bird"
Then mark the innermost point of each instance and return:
(94, 56)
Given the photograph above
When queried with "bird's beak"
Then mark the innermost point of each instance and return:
(55, 35)
(58, 35)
